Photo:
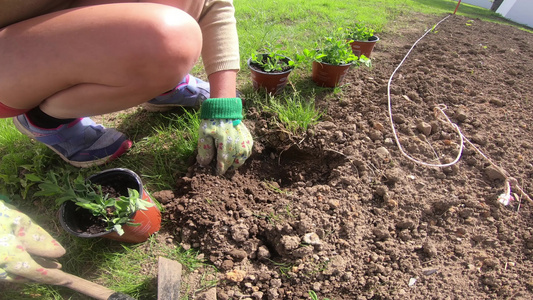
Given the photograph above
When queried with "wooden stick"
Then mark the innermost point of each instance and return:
(83, 286)
(168, 279)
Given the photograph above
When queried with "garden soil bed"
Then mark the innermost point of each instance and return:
(340, 211)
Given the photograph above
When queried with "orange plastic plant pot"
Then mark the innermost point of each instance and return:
(120, 179)
(272, 83)
(364, 47)
(327, 75)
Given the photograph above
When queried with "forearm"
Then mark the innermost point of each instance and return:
(220, 50)
(223, 84)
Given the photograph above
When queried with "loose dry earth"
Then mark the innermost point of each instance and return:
(342, 212)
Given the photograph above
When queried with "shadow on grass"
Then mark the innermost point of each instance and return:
(142, 123)
(301, 85)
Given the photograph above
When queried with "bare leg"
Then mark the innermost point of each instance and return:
(97, 59)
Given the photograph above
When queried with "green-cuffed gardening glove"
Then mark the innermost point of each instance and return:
(20, 237)
(221, 131)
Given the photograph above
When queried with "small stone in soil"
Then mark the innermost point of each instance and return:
(236, 275)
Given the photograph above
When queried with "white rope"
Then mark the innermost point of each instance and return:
(505, 197)
(390, 111)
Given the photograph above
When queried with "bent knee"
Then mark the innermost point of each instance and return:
(176, 43)
(180, 34)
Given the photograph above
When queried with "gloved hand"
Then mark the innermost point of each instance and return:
(221, 130)
(20, 237)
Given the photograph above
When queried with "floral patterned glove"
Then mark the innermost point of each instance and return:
(221, 130)
(20, 237)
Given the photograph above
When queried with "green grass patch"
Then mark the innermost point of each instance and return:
(162, 146)
(296, 114)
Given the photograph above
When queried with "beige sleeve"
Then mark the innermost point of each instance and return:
(220, 49)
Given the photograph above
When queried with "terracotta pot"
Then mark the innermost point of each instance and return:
(364, 47)
(327, 75)
(71, 215)
(272, 82)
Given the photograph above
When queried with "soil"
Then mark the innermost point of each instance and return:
(87, 223)
(341, 211)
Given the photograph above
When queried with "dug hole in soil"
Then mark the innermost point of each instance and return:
(339, 210)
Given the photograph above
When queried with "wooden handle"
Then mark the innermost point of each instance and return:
(85, 287)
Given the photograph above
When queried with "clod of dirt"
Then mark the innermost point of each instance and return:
(163, 197)
(236, 275)
(429, 249)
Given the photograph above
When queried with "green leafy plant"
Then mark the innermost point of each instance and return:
(100, 200)
(272, 59)
(358, 32)
(336, 50)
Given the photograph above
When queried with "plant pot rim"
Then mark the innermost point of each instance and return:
(139, 184)
(342, 65)
(249, 62)
(122, 170)
(376, 38)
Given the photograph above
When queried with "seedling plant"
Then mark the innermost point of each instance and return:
(272, 59)
(112, 209)
(359, 32)
(336, 50)
(294, 113)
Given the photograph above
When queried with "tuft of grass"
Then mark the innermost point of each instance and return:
(20, 159)
(285, 268)
(133, 268)
(295, 113)
(275, 188)
(314, 296)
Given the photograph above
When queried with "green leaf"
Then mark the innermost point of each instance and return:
(313, 295)
(60, 200)
(89, 206)
(33, 177)
(122, 206)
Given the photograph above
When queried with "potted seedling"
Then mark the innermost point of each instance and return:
(362, 39)
(270, 69)
(332, 60)
(111, 204)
